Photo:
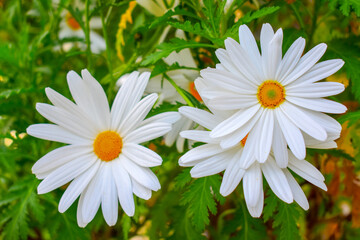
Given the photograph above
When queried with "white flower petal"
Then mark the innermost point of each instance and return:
(252, 184)
(307, 171)
(235, 137)
(277, 180)
(279, 147)
(248, 41)
(59, 157)
(55, 133)
(203, 151)
(228, 80)
(272, 57)
(265, 133)
(202, 117)
(292, 134)
(77, 186)
(141, 155)
(198, 136)
(331, 126)
(124, 187)
(298, 193)
(66, 173)
(240, 59)
(142, 175)
(137, 114)
(210, 166)
(97, 103)
(234, 122)
(166, 117)
(109, 198)
(232, 176)
(291, 58)
(80, 219)
(266, 35)
(303, 121)
(318, 104)
(60, 101)
(147, 132)
(258, 208)
(247, 157)
(319, 71)
(141, 191)
(233, 102)
(306, 62)
(121, 105)
(127, 97)
(230, 65)
(66, 120)
(315, 90)
(92, 195)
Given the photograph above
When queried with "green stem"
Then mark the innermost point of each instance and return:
(314, 21)
(108, 52)
(179, 90)
(87, 35)
(298, 16)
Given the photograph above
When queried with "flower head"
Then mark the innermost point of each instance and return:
(104, 159)
(274, 99)
(71, 28)
(211, 158)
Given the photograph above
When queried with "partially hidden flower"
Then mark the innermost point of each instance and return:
(103, 161)
(71, 28)
(211, 158)
(184, 78)
(275, 99)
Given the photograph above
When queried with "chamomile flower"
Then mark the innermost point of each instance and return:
(211, 158)
(158, 7)
(70, 28)
(103, 161)
(275, 99)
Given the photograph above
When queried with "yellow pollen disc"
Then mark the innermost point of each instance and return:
(243, 141)
(71, 22)
(271, 94)
(108, 145)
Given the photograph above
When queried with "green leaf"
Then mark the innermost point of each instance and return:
(249, 17)
(346, 6)
(286, 220)
(347, 50)
(183, 178)
(352, 117)
(200, 199)
(175, 44)
(16, 216)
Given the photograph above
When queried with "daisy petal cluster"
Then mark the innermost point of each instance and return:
(103, 161)
(266, 109)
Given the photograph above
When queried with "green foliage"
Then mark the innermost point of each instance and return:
(349, 51)
(286, 217)
(346, 6)
(176, 44)
(200, 198)
(22, 201)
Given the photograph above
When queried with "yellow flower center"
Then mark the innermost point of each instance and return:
(271, 94)
(108, 145)
(71, 22)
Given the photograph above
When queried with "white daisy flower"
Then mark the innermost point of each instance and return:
(104, 159)
(211, 158)
(275, 99)
(70, 28)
